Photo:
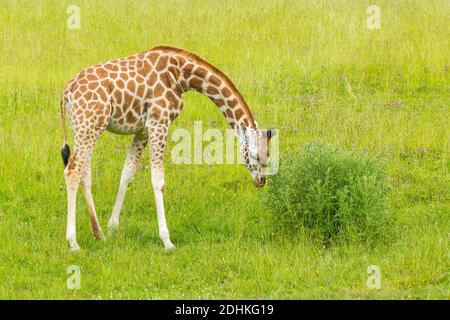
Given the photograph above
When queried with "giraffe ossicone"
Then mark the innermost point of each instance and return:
(141, 95)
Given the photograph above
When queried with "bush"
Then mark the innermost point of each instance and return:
(334, 194)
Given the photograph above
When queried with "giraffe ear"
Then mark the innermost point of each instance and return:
(270, 133)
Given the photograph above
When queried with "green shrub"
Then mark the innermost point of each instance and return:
(336, 195)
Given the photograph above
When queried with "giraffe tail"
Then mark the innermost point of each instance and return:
(65, 150)
(65, 153)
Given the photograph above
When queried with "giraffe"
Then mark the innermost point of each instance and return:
(141, 95)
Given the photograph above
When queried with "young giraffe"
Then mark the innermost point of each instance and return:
(141, 95)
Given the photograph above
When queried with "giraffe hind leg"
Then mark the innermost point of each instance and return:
(72, 182)
(86, 184)
(78, 172)
(158, 134)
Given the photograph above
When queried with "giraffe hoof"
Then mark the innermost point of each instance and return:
(111, 231)
(99, 236)
(75, 248)
(169, 246)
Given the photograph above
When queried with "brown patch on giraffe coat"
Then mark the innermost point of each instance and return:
(159, 90)
(172, 98)
(141, 55)
(155, 112)
(88, 95)
(128, 98)
(102, 94)
(72, 162)
(229, 113)
(118, 112)
(162, 63)
(188, 67)
(165, 79)
(201, 72)
(83, 88)
(137, 105)
(101, 73)
(118, 96)
(145, 69)
(196, 83)
(91, 77)
(141, 90)
(181, 60)
(130, 117)
(212, 90)
(120, 83)
(124, 76)
(111, 67)
(153, 57)
(215, 81)
(161, 102)
(98, 108)
(238, 114)
(148, 93)
(93, 85)
(232, 103)
(175, 71)
(218, 102)
(226, 92)
(152, 79)
(140, 79)
(173, 61)
(131, 86)
(186, 75)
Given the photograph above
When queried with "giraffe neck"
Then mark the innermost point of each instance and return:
(197, 74)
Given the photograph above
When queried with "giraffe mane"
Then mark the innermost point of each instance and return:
(195, 57)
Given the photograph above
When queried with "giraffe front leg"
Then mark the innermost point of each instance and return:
(128, 172)
(158, 188)
(158, 133)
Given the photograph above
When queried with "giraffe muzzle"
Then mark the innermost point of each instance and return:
(259, 181)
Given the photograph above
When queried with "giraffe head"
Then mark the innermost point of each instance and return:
(255, 147)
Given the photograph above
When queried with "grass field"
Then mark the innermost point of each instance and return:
(311, 69)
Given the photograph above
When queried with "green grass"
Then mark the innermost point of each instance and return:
(333, 195)
(308, 68)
